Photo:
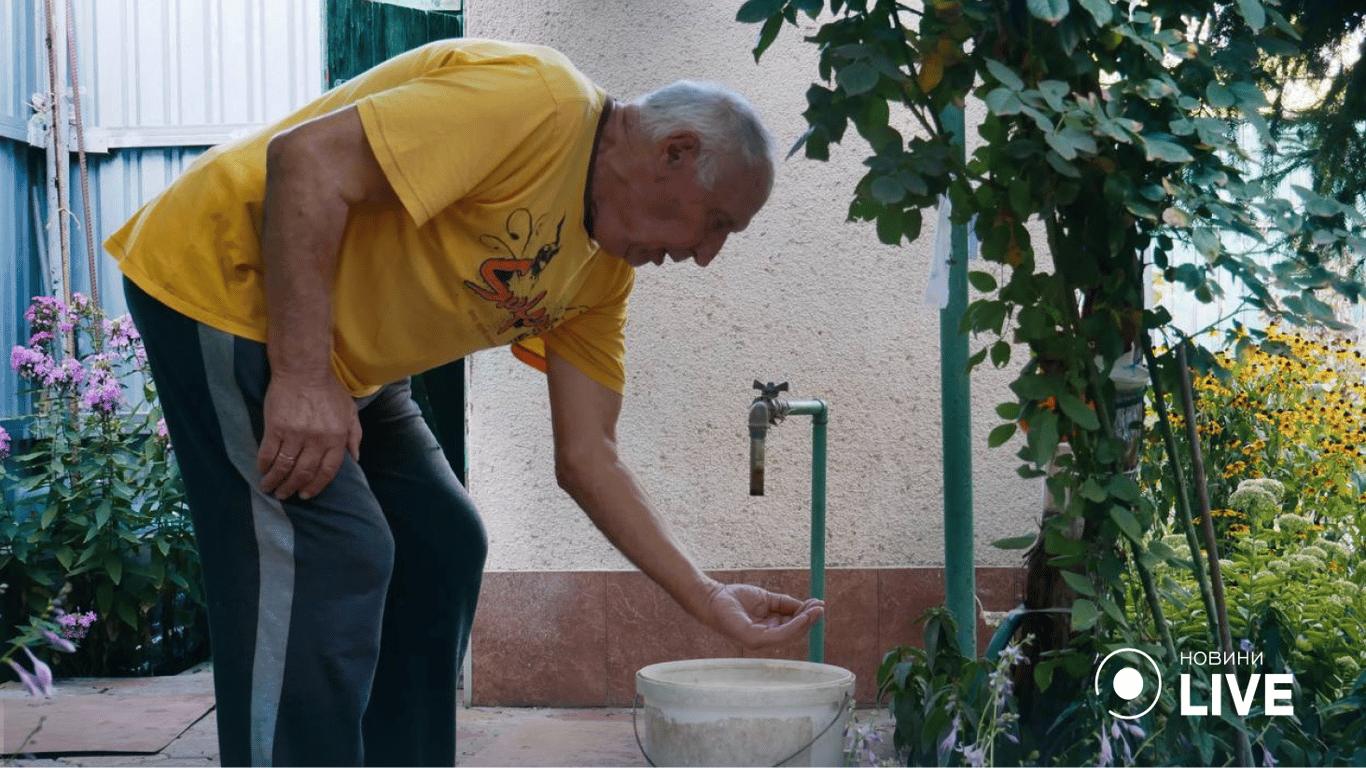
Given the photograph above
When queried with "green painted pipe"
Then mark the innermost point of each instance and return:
(960, 577)
(820, 417)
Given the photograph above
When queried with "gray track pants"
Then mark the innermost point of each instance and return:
(337, 624)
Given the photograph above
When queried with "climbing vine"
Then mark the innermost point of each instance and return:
(1120, 140)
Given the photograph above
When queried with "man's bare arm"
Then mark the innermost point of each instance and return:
(315, 173)
(584, 416)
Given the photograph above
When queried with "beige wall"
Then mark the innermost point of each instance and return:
(801, 296)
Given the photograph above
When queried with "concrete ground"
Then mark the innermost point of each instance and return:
(169, 721)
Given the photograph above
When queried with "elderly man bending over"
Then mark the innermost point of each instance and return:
(465, 195)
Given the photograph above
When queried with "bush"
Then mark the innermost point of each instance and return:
(94, 499)
(1282, 428)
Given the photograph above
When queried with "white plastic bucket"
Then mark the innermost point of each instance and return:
(744, 712)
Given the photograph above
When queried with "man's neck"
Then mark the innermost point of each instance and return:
(597, 178)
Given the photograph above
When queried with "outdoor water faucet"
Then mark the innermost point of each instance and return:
(766, 409)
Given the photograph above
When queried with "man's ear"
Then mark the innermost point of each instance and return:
(679, 148)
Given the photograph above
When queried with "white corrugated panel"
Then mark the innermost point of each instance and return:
(198, 71)
(161, 80)
(19, 72)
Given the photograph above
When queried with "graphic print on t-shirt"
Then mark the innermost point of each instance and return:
(510, 277)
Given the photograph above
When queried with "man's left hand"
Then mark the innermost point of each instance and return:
(755, 617)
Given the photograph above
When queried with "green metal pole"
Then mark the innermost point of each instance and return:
(820, 417)
(960, 578)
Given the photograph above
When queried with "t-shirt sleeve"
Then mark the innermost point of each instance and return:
(452, 130)
(594, 341)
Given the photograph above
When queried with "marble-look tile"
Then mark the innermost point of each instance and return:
(904, 594)
(851, 621)
(539, 640)
(645, 626)
(999, 589)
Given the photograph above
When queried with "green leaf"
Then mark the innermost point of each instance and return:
(1079, 582)
(767, 34)
(102, 512)
(977, 359)
(1254, 13)
(754, 11)
(1064, 148)
(1126, 522)
(1055, 543)
(1083, 615)
(1000, 353)
(49, 515)
(1091, 490)
(1043, 437)
(1043, 673)
(1099, 9)
(1062, 166)
(857, 78)
(1021, 198)
(1051, 11)
(889, 226)
(126, 611)
(1054, 91)
(1005, 75)
(65, 556)
(1112, 610)
(984, 282)
(1001, 434)
(1166, 151)
(1079, 412)
(1003, 101)
(1124, 488)
(887, 190)
(1015, 542)
(1218, 95)
(114, 567)
(1248, 95)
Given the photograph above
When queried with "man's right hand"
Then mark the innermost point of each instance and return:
(310, 425)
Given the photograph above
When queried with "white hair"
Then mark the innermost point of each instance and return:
(727, 125)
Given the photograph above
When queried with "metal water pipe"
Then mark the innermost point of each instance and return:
(960, 575)
(767, 410)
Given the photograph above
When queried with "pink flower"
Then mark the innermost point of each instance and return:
(120, 333)
(25, 361)
(75, 625)
(58, 642)
(30, 684)
(70, 373)
(39, 683)
(41, 672)
(4, 444)
(102, 392)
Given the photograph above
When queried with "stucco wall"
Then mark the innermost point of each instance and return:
(800, 296)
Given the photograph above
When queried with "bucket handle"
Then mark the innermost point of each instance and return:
(847, 703)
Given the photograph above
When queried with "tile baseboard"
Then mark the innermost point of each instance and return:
(577, 638)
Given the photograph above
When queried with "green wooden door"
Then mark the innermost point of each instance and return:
(361, 34)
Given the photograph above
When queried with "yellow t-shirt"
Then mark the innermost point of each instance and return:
(487, 145)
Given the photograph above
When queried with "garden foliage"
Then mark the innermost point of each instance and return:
(1111, 149)
(94, 507)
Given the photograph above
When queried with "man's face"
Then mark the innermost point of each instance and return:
(667, 213)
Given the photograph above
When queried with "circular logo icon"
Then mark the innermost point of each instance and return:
(1121, 673)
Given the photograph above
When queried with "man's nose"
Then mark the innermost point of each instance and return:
(708, 249)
